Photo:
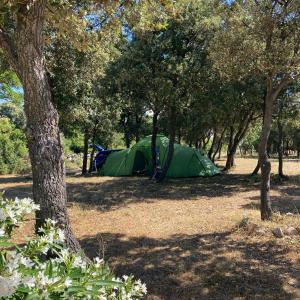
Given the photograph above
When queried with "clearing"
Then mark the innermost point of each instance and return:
(178, 236)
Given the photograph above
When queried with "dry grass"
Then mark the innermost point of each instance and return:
(178, 237)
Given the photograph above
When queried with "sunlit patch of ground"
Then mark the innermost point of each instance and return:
(178, 236)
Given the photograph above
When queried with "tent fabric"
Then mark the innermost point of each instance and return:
(186, 161)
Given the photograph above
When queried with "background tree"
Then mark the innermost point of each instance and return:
(22, 40)
(260, 38)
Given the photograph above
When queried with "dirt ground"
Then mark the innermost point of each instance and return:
(178, 236)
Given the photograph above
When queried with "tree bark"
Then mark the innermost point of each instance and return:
(211, 149)
(153, 141)
(265, 165)
(85, 152)
(91, 168)
(235, 140)
(138, 121)
(43, 136)
(280, 148)
(231, 134)
(219, 145)
(255, 171)
(172, 133)
(220, 150)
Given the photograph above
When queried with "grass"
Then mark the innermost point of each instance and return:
(178, 236)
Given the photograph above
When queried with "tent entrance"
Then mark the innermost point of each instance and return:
(140, 164)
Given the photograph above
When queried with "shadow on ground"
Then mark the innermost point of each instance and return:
(121, 191)
(104, 195)
(209, 266)
(288, 201)
(96, 193)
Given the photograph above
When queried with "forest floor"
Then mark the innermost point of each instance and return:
(179, 237)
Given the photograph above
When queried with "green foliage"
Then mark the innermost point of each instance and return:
(13, 150)
(27, 272)
(258, 37)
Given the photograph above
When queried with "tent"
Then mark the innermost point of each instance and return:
(186, 162)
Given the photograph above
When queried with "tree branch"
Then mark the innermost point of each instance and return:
(8, 47)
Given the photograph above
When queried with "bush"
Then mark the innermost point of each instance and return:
(13, 150)
(27, 272)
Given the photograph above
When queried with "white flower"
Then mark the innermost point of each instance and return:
(44, 280)
(68, 282)
(98, 262)
(51, 222)
(2, 215)
(8, 284)
(61, 235)
(144, 288)
(45, 294)
(26, 262)
(11, 214)
(2, 232)
(29, 281)
(64, 253)
(45, 249)
(79, 262)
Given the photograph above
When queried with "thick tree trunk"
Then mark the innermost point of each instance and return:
(280, 149)
(85, 152)
(265, 165)
(44, 142)
(172, 132)
(153, 141)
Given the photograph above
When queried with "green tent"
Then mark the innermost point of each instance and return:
(186, 162)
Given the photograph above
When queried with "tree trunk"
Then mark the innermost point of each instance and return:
(231, 134)
(92, 166)
(43, 136)
(179, 137)
(230, 159)
(153, 141)
(220, 150)
(205, 141)
(138, 122)
(241, 152)
(127, 138)
(211, 149)
(255, 171)
(219, 145)
(85, 152)
(280, 149)
(265, 165)
(234, 141)
(172, 132)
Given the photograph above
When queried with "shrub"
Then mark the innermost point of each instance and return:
(27, 272)
(13, 150)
